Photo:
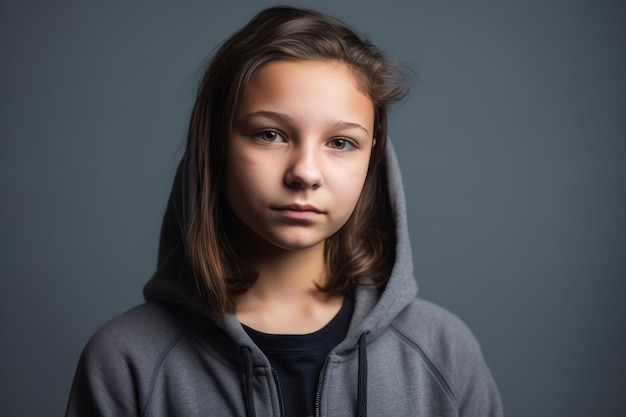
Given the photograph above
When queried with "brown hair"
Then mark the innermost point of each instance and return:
(363, 249)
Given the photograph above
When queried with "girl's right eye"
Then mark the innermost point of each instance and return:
(270, 136)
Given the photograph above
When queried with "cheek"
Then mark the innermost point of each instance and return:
(237, 180)
(247, 179)
(240, 172)
(349, 187)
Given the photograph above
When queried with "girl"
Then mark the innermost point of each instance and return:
(284, 285)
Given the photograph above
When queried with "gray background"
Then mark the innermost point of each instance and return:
(512, 145)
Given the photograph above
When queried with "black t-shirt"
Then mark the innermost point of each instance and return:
(298, 359)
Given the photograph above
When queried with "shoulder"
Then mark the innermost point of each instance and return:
(449, 347)
(440, 335)
(117, 366)
(431, 325)
(132, 345)
(148, 328)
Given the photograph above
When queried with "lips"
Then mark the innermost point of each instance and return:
(299, 211)
(300, 207)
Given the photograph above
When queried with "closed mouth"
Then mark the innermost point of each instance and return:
(299, 207)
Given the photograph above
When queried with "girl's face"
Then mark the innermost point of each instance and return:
(299, 152)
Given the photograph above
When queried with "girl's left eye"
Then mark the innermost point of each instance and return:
(341, 144)
(270, 136)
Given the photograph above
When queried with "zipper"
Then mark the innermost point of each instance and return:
(319, 386)
(280, 394)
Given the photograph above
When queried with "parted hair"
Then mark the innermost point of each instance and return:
(363, 250)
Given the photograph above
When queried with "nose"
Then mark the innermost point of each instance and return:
(304, 171)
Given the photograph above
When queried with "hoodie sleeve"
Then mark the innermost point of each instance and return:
(103, 383)
(117, 369)
(451, 348)
(475, 388)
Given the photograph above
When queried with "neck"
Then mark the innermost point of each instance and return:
(284, 275)
(285, 297)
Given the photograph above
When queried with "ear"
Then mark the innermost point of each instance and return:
(374, 142)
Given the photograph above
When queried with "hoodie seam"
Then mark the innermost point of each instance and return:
(208, 349)
(145, 412)
(432, 368)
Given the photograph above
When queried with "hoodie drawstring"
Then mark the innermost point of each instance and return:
(362, 383)
(247, 359)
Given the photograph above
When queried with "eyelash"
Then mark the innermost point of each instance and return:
(346, 142)
(259, 135)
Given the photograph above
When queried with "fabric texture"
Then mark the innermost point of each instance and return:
(401, 356)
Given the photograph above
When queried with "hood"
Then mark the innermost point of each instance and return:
(373, 311)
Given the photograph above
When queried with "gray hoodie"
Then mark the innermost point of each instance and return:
(402, 356)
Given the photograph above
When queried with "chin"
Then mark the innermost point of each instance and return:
(295, 245)
(294, 242)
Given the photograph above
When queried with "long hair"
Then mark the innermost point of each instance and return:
(363, 249)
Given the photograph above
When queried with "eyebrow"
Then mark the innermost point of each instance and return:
(285, 118)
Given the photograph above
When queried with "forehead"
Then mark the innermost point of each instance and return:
(308, 89)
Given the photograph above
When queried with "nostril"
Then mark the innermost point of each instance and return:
(304, 174)
(303, 182)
